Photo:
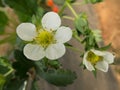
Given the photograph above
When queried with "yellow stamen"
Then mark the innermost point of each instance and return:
(44, 38)
(93, 58)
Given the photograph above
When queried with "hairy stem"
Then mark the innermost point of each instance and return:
(71, 8)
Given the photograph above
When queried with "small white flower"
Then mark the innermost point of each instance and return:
(47, 41)
(98, 59)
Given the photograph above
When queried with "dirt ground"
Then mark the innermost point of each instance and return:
(109, 22)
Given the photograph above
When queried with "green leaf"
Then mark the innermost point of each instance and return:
(93, 1)
(81, 22)
(105, 47)
(91, 39)
(49, 70)
(14, 84)
(4, 62)
(67, 44)
(54, 64)
(3, 21)
(2, 81)
(22, 64)
(95, 73)
(5, 65)
(36, 19)
(24, 8)
(97, 35)
(71, 1)
(61, 2)
(59, 77)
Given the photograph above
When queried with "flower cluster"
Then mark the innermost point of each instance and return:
(48, 41)
(43, 40)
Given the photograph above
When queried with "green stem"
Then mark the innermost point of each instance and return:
(9, 72)
(71, 8)
(69, 18)
(77, 38)
(75, 35)
(62, 9)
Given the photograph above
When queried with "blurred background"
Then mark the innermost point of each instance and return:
(104, 16)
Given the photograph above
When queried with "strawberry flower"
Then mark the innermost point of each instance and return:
(46, 41)
(98, 59)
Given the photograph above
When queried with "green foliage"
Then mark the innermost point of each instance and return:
(24, 8)
(105, 47)
(47, 64)
(67, 44)
(93, 1)
(95, 73)
(14, 84)
(54, 64)
(89, 40)
(51, 72)
(3, 21)
(97, 35)
(36, 19)
(61, 2)
(22, 64)
(81, 23)
(5, 65)
(59, 77)
(2, 81)
(71, 1)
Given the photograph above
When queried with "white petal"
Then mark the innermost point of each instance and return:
(88, 65)
(34, 52)
(55, 51)
(63, 34)
(26, 31)
(51, 20)
(102, 65)
(109, 57)
(97, 52)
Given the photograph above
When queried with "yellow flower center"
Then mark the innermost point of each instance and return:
(93, 58)
(44, 38)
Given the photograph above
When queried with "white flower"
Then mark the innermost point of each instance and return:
(98, 59)
(47, 41)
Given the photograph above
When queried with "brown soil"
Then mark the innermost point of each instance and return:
(109, 18)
